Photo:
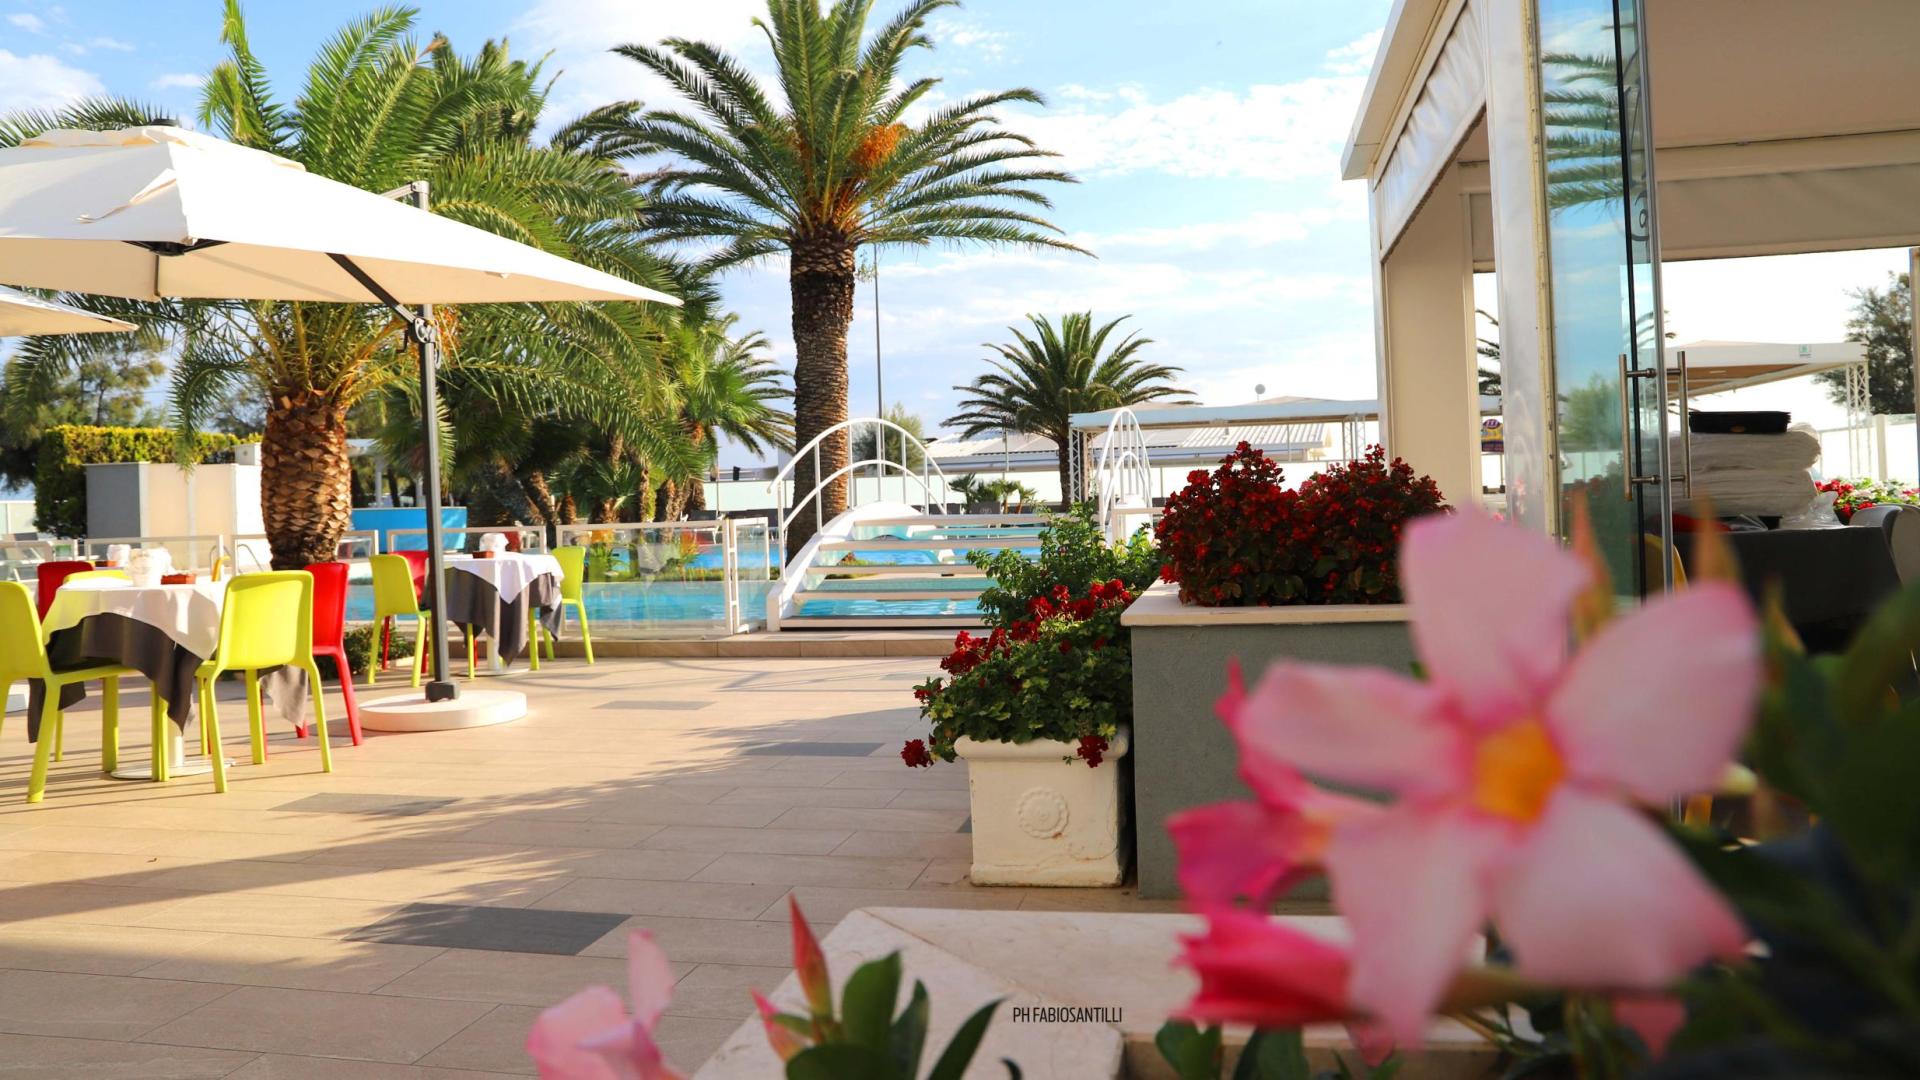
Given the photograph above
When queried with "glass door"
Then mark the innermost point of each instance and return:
(1602, 232)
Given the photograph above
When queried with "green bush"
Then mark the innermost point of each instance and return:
(362, 643)
(60, 488)
(1074, 553)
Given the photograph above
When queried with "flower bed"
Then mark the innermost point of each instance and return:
(1238, 536)
(1851, 496)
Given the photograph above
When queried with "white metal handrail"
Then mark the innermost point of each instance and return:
(1123, 468)
(928, 470)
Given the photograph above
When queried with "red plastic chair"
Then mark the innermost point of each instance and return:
(330, 632)
(52, 575)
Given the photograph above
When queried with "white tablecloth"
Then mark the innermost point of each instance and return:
(508, 572)
(189, 614)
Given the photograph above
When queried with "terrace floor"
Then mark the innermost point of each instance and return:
(419, 906)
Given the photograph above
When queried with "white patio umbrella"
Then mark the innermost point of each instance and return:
(23, 314)
(159, 212)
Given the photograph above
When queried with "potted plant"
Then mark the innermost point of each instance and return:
(1255, 571)
(1040, 709)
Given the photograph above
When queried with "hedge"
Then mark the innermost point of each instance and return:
(60, 487)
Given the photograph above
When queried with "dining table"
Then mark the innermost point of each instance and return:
(503, 596)
(163, 631)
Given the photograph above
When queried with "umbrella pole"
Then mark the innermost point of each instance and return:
(441, 688)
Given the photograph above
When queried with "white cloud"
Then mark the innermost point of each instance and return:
(1270, 131)
(109, 44)
(1260, 230)
(40, 81)
(1356, 56)
(969, 35)
(28, 21)
(185, 80)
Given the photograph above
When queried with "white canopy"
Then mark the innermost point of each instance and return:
(152, 212)
(23, 314)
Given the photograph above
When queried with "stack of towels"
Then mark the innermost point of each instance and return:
(1758, 475)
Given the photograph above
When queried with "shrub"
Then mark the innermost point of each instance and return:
(1073, 553)
(1064, 672)
(1864, 493)
(60, 486)
(363, 642)
(1237, 537)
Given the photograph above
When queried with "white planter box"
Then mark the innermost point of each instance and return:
(1041, 820)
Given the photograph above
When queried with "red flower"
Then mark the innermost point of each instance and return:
(915, 754)
(1093, 749)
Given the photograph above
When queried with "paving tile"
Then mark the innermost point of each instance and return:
(49, 1058)
(717, 838)
(287, 1067)
(708, 941)
(661, 812)
(275, 916)
(84, 901)
(375, 805)
(559, 834)
(558, 930)
(295, 963)
(511, 978)
(881, 820)
(495, 1043)
(95, 1006)
(846, 870)
(930, 845)
(78, 838)
(723, 991)
(361, 1027)
(815, 749)
(824, 903)
(653, 705)
(930, 799)
(696, 898)
(91, 948)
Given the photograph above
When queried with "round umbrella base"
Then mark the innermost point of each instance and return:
(413, 712)
(196, 767)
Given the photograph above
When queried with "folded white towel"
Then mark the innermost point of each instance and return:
(1790, 450)
(1761, 492)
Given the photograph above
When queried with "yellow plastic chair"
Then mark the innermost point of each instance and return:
(23, 655)
(266, 621)
(573, 576)
(393, 595)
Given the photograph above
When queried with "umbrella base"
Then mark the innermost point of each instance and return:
(413, 712)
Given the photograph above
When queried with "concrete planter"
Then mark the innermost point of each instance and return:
(1042, 820)
(1183, 755)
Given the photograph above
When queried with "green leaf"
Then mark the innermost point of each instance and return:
(910, 1032)
(1881, 653)
(866, 1005)
(959, 1053)
(1273, 1055)
(841, 1061)
(1193, 1053)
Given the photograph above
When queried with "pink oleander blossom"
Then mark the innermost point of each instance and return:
(1254, 970)
(592, 1036)
(1519, 774)
(1257, 849)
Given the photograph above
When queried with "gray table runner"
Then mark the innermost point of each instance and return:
(473, 601)
(110, 638)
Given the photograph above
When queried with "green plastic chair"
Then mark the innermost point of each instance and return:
(393, 595)
(573, 576)
(266, 621)
(24, 656)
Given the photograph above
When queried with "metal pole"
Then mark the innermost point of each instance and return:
(440, 688)
(1913, 295)
(880, 390)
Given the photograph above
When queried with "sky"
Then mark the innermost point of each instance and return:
(1206, 137)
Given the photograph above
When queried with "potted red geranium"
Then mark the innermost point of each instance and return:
(1255, 570)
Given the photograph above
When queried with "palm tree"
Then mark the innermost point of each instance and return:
(823, 166)
(725, 385)
(1039, 382)
(868, 446)
(378, 110)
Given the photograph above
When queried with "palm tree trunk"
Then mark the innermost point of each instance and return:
(822, 284)
(696, 499)
(304, 475)
(1066, 470)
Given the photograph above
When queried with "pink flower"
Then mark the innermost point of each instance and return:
(1518, 771)
(810, 965)
(784, 1041)
(590, 1036)
(1655, 1018)
(1254, 970)
(1255, 849)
